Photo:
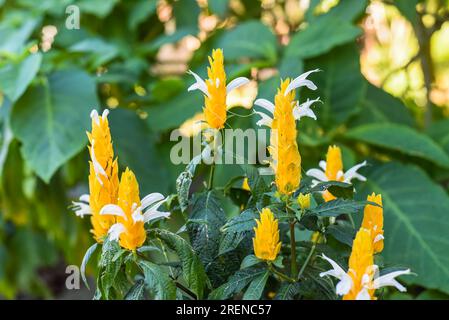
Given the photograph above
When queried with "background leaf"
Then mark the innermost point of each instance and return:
(50, 120)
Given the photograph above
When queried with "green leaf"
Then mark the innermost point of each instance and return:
(137, 291)
(408, 9)
(251, 39)
(86, 258)
(400, 138)
(141, 11)
(98, 50)
(172, 113)
(183, 183)
(230, 241)
(219, 7)
(6, 135)
(342, 232)
(186, 13)
(249, 261)
(245, 221)
(236, 283)
(288, 291)
(336, 207)
(14, 39)
(340, 75)
(379, 106)
(51, 120)
(135, 145)
(439, 132)
(15, 78)
(109, 268)
(320, 37)
(323, 186)
(349, 9)
(158, 280)
(205, 237)
(255, 289)
(415, 224)
(99, 8)
(192, 268)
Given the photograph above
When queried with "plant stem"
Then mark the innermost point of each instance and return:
(186, 290)
(309, 256)
(211, 177)
(294, 265)
(280, 274)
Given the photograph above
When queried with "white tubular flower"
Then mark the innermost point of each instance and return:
(345, 283)
(115, 231)
(200, 84)
(301, 81)
(299, 110)
(303, 110)
(82, 207)
(332, 170)
(362, 278)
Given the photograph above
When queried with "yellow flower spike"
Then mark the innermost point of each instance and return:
(304, 201)
(215, 90)
(103, 177)
(134, 234)
(266, 240)
(286, 160)
(361, 268)
(245, 185)
(215, 103)
(373, 221)
(332, 170)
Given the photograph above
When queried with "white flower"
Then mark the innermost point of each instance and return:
(345, 284)
(147, 211)
(82, 207)
(320, 174)
(299, 111)
(200, 84)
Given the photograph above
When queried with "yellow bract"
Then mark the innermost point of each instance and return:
(286, 160)
(266, 240)
(215, 103)
(304, 201)
(361, 264)
(373, 220)
(134, 234)
(103, 189)
(334, 165)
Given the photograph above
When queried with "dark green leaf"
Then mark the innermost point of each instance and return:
(15, 78)
(400, 138)
(137, 291)
(255, 289)
(251, 39)
(131, 137)
(86, 258)
(192, 268)
(158, 280)
(236, 283)
(51, 119)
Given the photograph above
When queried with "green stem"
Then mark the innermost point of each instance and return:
(294, 265)
(309, 256)
(280, 274)
(187, 291)
(211, 177)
